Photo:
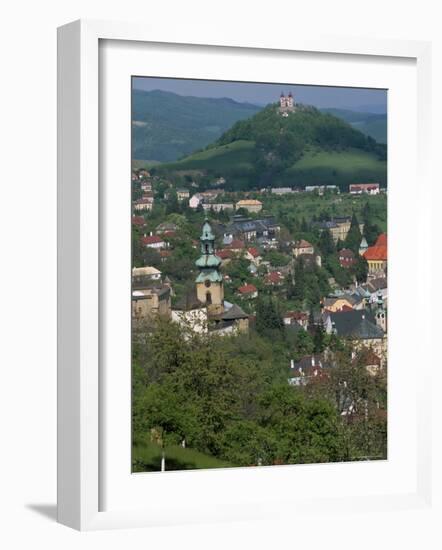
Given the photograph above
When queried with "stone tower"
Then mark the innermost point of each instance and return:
(209, 282)
(381, 314)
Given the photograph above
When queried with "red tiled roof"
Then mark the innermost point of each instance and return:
(274, 277)
(138, 220)
(254, 252)
(152, 239)
(381, 240)
(296, 315)
(224, 253)
(368, 186)
(346, 253)
(247, 289)
(374, 253)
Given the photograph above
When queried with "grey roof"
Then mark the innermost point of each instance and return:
(318, 360)
(188, 302)
(234, 312)
(356, 324)
(378, 284)
(246, 225)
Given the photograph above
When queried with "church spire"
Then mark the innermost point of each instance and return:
(209, 281)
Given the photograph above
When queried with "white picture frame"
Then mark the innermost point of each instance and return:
(80, 394)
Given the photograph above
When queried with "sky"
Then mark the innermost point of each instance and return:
(356, 99)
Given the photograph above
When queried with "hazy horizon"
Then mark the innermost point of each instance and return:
(355, 99)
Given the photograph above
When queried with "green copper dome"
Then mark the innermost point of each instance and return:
(207, 234)
(208, 260)
(213, 276)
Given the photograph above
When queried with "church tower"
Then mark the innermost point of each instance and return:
(209, 282)
(381, 314)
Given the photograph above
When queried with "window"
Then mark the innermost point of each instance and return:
(208, 298)
(207, 283)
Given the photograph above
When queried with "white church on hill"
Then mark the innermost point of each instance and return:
(286, 104)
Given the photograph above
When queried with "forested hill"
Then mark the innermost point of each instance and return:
(371, 124)
(167, 126)
(307, 147)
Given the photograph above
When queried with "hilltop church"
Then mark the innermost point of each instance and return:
(204, 309)
(286, 104)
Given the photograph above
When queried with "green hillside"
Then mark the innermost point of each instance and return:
(306, 148)
(147, 458)
(167, 126)
(337, 168)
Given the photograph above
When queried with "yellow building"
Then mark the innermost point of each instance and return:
(251, 205)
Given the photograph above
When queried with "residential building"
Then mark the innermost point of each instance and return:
(182, 194)
(274, 278)
(251, 205)
(153, 241)
(166, 228)
(303, 247)
(218, 206)
(248, 291)
(145, 274)
(310, 368)
(367, 188)
(338, 227)
(300, 317)
(145, 203)
(346, 258)
(254, 255)
(195, 200)
(360, 327)
(138, 221)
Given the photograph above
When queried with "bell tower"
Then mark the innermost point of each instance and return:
(381, 314)
(209, 282)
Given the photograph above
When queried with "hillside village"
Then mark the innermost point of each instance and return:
(325, 277)
(305, 267)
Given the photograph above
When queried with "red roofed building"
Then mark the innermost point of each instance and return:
(376, 255)
(299, 317)
(303, 247)
(153, 241)
(138, 221)
(369, 188)
(274, 278)
(254, 255)
(346, 258)
(248, 291)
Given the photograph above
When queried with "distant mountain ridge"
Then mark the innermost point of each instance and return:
(167, 126)
(370, 124)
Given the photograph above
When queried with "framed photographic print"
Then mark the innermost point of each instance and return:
(231, 317)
